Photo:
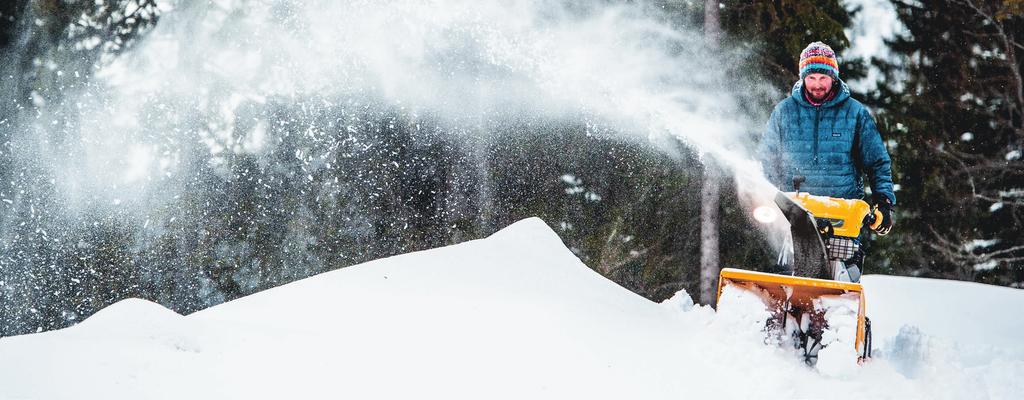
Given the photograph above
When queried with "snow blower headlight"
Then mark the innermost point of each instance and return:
(766, 214)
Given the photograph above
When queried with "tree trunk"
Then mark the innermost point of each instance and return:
(709, 194)
(709, 197)
(712, 27)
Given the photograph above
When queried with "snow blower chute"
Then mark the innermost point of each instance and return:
(824, 264)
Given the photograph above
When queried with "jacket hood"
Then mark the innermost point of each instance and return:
(798, 95)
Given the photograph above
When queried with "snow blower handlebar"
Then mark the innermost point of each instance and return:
(873, 219)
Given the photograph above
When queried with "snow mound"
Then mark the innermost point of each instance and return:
(132, 314)
(515, 315)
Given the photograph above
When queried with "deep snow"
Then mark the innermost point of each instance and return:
(515, 315)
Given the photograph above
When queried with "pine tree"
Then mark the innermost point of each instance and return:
(954, 105)
(777, 31)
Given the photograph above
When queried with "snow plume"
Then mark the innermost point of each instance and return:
(471, 64)
(222, 95)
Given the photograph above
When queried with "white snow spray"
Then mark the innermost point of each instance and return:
(623, 66)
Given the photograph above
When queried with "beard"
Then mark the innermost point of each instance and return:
(819, 95)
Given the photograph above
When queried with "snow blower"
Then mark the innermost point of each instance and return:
(823, 266)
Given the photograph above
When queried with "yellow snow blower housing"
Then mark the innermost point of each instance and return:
(824, 262)
(794, 295)
(845, 216)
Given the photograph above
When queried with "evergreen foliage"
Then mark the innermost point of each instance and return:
(953, 108)
(777, 31)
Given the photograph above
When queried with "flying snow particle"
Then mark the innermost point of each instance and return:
(571, 180)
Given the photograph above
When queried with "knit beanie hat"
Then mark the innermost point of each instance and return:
(818, 58)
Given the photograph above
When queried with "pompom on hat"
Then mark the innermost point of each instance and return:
(818, 58)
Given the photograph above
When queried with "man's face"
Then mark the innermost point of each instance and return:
(818, 86)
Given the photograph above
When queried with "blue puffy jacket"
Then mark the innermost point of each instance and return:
(833, 145)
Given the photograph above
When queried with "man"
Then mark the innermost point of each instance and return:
(822, 133)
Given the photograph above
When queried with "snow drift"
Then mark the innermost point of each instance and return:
(515, 315)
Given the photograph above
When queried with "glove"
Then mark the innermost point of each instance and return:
(885, 207)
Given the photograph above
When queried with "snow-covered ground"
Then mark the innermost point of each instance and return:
(515, 315)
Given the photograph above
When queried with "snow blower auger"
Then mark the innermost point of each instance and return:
(822, 271)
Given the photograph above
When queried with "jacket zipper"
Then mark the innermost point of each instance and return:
(817, 120)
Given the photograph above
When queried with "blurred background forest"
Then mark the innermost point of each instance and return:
(947, 92)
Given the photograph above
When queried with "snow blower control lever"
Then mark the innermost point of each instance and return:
(873, 219)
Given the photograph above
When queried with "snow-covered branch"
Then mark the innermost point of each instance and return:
(974, 253)
(1009, 47)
